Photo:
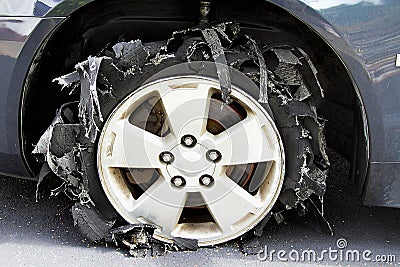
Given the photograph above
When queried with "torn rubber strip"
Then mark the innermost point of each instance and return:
(224, 75)
(68, 79)
(263, 96)
(58, 146)
(131, 54)
(313, 69)
(137, 238)
(286, 56)
(91, 222)
(185, 244)
(89, 106)
(42, 147)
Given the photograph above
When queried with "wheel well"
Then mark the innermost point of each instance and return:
(89, 29)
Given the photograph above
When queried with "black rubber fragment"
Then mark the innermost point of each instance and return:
(130, 55)
(45, 171)
(259, 229)
(184, 244)
(251, 246)
(138, 240)
(92, 224)
(292, 88)
(158, 248)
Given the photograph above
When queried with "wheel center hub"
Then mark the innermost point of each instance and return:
(192, 155)
(190, 162)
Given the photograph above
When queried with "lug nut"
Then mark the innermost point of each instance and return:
(188, 141)
(206, 180)
(178, 181)
(213, 155)
(167, 157)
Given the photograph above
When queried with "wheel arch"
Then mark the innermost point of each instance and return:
(360, 80)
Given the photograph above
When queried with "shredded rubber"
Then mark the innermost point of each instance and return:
(284, 90)
(212, 39)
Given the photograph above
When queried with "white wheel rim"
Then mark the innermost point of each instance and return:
(186, 102)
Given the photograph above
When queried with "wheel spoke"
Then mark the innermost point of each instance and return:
(228, 202)
(134, 147)
(186, 107)
(243, 143)
(161, 204)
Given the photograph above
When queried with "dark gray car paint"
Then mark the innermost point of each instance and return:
(365, 36)
(14, 67)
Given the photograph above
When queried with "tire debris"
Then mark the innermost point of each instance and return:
(283, 88)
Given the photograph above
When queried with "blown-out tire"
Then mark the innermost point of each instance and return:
(294, 112)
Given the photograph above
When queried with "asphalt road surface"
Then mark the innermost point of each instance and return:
(43, 234)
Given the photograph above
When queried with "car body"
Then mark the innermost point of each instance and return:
(364, 35)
